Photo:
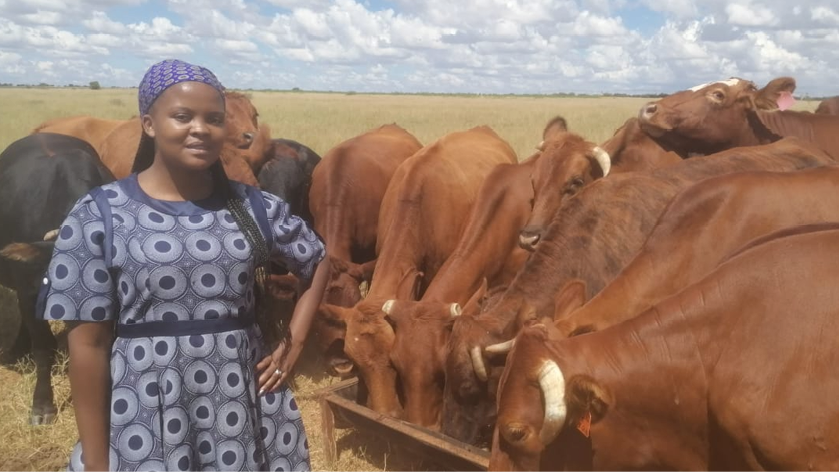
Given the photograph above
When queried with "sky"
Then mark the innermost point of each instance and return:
(441, 46)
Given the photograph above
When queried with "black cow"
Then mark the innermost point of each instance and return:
(288, 175)
(41, 177)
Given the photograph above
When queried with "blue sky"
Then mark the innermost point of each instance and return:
(486, 46)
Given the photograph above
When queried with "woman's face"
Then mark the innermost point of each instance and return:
(187, 125)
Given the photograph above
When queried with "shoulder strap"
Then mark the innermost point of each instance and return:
(261, 215)
(101, 200)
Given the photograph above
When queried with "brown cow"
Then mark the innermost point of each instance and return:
(87, 128)
(734, 113)
(593, 236)
(829, 106)
(569, 163)
(699, 228)
(347, 190)
(486, 251)
(420, 222)
(735, 372)
(566, 165)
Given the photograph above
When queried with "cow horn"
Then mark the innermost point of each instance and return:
(602, 158)
(478, 363)
(364, 288)
(552, 384)
(540, 146)
(51, 235)
(455, 310)
(501, 348)
(388, 306)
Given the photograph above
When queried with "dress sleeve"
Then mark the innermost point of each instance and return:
(78, 286)
(295, 243)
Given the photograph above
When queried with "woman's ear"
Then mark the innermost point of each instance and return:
(148, 125)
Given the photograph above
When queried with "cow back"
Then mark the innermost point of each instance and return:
(422, 212)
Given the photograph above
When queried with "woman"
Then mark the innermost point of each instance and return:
(157, 275)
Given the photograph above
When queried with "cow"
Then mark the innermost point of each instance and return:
(486, 252)
(699, 228)
(242, 154)
(829, 106)
(592, 237)
(87, 128)
(732, 113)
(420, 221)
(345, 197)
(734, 372)
(287, 173)
(41, 177)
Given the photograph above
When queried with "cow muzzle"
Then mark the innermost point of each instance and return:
(529, 239)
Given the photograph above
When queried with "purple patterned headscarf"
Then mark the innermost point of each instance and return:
(167, 73)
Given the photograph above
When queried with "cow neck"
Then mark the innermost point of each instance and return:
(485, 246)
(569, 251)
(653, 369)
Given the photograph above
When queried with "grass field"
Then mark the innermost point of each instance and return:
(320, 121)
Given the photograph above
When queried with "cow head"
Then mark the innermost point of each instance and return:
(347, 279)
(344, 289)
(472, 373)
(246, 143)
(241, 120)
(567, 164)
(422, 330)
(542, 413)
(369, 339)
(328, 333)
(712, 117)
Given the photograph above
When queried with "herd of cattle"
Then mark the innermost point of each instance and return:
(663, 300)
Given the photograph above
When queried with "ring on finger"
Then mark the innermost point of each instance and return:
(278, 371)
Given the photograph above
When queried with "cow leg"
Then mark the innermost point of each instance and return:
(43, 352)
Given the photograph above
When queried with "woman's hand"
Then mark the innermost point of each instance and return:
(273, 370)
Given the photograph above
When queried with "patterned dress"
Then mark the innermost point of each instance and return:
(177, 278)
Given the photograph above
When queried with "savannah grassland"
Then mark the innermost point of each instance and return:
(320, 121)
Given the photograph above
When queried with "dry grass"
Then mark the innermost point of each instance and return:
(319, 121)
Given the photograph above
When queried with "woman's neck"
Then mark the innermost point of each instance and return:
(165, 183)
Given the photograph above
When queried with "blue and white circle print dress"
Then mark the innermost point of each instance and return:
(177, 278)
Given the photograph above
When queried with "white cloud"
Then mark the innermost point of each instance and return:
(750, 15)
(436, 45)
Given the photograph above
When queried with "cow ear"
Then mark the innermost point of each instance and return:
(569, 298)
(768, 97)
(477, 298)
(584, 395)
(339, 266)
(554, 128)
(333, 313)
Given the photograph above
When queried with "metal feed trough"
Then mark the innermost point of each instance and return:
(339, 408)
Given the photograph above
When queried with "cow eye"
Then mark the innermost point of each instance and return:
(718, 95)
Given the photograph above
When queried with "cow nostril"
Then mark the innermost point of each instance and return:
(529, 241)
(650, 109)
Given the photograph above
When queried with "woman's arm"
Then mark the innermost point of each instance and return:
(90, 385)
(284, 357)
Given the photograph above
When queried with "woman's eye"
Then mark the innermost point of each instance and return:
(182, 118)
